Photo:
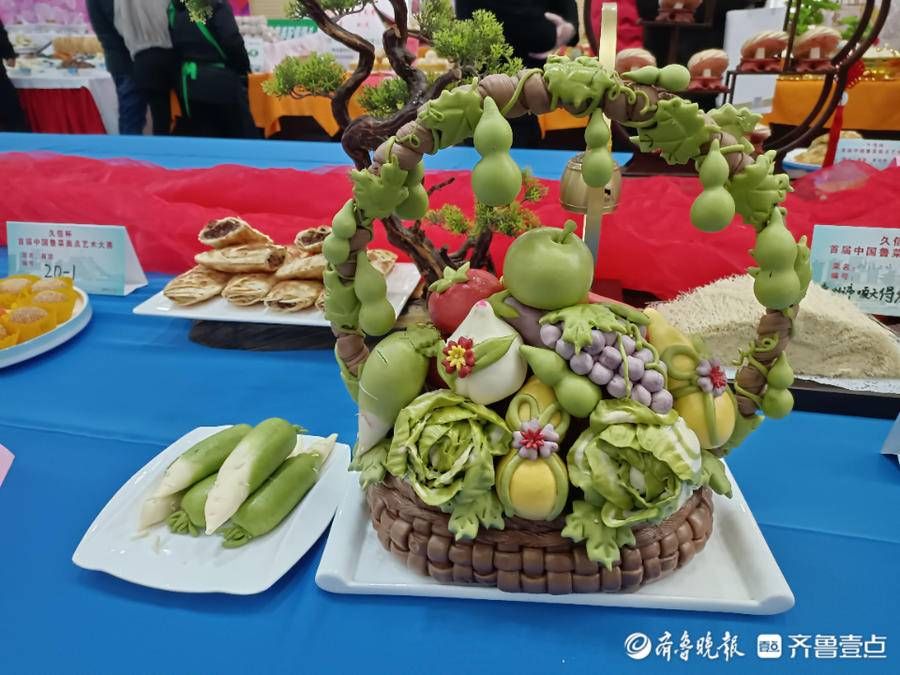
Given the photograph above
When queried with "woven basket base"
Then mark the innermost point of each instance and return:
(530, 556)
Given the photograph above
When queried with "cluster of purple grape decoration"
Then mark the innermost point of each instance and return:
(638, 375)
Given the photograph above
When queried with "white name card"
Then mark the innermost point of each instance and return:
(99, 258)
(878, 153)
(861, 263)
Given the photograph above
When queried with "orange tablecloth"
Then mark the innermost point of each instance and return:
(872, 105)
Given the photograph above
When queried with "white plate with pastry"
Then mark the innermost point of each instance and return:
(277, 298)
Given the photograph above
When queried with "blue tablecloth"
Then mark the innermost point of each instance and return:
(82, 419)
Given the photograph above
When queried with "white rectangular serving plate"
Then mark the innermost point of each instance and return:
(735, 572)
(185, 564)
(401, 282)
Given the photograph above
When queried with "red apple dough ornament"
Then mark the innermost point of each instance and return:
(453, 296)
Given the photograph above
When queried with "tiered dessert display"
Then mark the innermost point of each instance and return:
(534, 437)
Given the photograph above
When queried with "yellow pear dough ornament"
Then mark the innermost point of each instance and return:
(700, 387)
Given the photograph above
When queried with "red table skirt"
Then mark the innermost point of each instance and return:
(61, 111)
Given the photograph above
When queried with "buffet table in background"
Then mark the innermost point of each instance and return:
(61, 101)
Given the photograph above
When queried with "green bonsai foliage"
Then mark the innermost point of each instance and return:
(812, 13)
(335, 8)
(313, 75)
(434, 16)
(476, 45)
(512, 220)
(385, 98)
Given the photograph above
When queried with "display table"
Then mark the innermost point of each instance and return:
(82, 419)
(63, 101)
(871, 105)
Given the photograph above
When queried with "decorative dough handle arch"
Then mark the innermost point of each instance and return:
(734, 180)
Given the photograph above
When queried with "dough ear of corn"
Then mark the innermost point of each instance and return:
(279, 495)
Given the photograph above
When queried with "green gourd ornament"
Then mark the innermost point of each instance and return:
(646, 75)
(802, 267)
(781, 375)
(775, 246)
(775, 289)
(597, 165)
(776, 403)
(341, 304)
(496, 178)
(336, 249)
(674, 77)
(343, 224)
(713, 209)
(376, 315)
(415, 206)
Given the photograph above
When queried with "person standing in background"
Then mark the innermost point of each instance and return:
(144, 27)
(212, 86)
(11, 116)
(132, 104)
(534, 29)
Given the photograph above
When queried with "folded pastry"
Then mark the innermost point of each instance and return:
(231, 231)
(196, 285)
(320, 301)
(312, 239)
(303, 266)
(244, 258)
(292, 296)
(248, 289)
(382, 259)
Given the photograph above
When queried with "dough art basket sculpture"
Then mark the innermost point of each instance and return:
(531, 438)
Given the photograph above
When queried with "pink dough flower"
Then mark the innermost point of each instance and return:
(532, 440)
(712, 378)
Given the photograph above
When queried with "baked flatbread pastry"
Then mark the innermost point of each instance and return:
(320, 301)
(196, 285)
(303, 267)
(313, 239)
(248, 289)
(244, 258)
(382, 259)
(231, 231)
(292, 296)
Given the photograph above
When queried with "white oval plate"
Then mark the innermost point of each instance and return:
(64, 332)
(796, 169)
(185, 564)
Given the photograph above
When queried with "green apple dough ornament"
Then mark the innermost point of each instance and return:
(449, 483)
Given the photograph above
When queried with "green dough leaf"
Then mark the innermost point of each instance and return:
(579, 320)
(579, 83)
(756, 190)
(679, 133)
(739, 122)
(601, 542)
(713, 474)
(501, 309)
(379, 196)
(452, 116)
(425, 339)
(451, 278)
(371, 464)
(466, 517)
(487, 352)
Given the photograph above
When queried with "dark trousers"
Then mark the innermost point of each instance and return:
(154, 76)
(11, 116)
(132, 106)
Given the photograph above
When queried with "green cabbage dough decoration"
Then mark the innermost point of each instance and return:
(376, 315)
(496, 178)
(679, 133)
(576, 394)
(378, 196)
(579, 320)
(633, 466)
(579, 84)
(190, 518)
(597, 165)
(393, 375)
(444, 446)
(452, 116)
(756, 189)
(713, 209)
(344, 223)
